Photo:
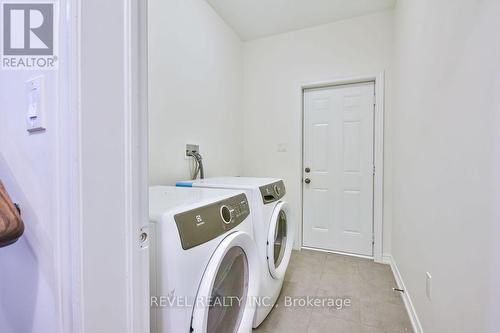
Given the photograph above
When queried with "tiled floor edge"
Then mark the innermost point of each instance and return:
(389, 260)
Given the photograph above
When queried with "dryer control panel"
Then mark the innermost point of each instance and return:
(272, 192)
(203, 224)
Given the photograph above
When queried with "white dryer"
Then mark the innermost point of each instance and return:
(273, 231)
(204, 272)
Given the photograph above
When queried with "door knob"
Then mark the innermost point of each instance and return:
(307, 180)
(307, 170)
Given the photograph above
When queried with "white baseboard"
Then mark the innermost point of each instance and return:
(415, 322)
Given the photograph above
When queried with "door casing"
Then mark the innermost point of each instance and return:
(130, 34)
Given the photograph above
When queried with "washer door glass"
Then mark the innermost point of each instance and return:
(229, 293)
(280, 238)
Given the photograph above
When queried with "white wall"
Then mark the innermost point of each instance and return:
(275, 66)
(446, 161)
(29, 269)
(195, 88)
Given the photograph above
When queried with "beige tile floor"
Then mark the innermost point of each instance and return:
(375, 307)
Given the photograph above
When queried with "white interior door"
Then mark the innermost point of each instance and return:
(338, 168)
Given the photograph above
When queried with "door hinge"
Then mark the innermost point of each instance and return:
(374, 170)
(374, 100)
(373, 239)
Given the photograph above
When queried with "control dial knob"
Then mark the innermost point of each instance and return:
(227, 214)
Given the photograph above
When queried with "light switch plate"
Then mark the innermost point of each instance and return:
(35, 113)
(282, 148)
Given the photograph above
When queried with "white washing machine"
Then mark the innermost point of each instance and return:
(273, 231)
(204, 274)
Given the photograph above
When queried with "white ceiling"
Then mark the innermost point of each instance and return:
(252, 19)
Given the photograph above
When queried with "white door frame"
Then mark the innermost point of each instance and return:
(378, 178)
(84, 286)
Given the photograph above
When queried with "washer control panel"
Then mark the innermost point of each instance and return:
(272, 192)
(203, 224)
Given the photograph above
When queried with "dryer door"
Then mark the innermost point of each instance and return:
(228, 288)
(280, 240)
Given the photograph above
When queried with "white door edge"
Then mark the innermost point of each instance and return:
(135, 166)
